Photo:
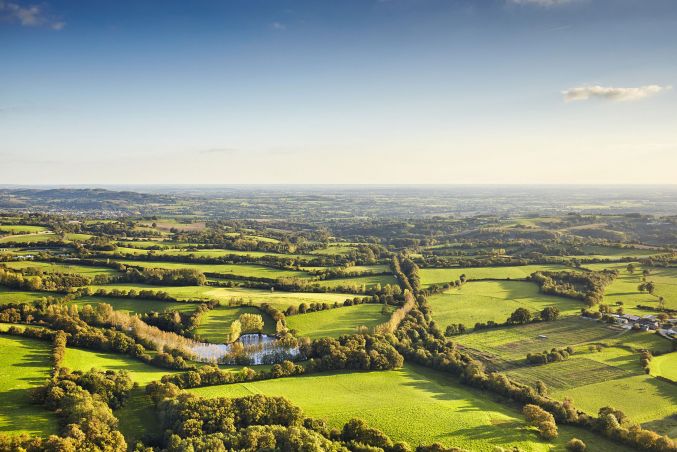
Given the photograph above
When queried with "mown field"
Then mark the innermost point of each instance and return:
(417, 405)
(431, 276)
(337, 322)
(24, 364)
(481, 301)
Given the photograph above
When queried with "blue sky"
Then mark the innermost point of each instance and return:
(396, 91)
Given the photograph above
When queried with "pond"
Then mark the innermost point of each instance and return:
(248, 349)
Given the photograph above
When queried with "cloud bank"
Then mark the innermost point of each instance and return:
(28, 16)
(612, 93)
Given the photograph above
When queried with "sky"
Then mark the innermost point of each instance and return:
(338, 92)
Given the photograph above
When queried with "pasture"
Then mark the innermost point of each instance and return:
(338, 321)
(8, 295)
(413, 404)
(625, 287)
(430, 276)
(215, 324)
(513, 343)
(139, 372)
(29, 238)
(53, 267)
(481, 301)
(242, 295)
(21, 229)
(360, 282)
(665, 366)
(135, 305)
(241, 270)
(25, 364)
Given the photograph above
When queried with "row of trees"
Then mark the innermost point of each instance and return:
(586, 286)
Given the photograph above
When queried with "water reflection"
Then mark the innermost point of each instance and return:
(249, 349)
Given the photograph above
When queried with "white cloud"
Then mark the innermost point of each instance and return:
(612, 93)
(278, 26)
(541, 2)
(28, 16)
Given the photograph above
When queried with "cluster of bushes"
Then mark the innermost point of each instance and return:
(542, 420)
(645, 358)
(293, 284)
(183, 323)
(34, 280)
(402, 279)
(455, 329)
(522, 316)
(212, 375)
(165, 276)
(551, 356)
(586, 286)
(314, 307)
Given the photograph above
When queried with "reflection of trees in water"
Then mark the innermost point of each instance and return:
(248, 349)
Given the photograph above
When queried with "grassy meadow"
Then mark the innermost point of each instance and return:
(337, 322)
(242, 270)
(215, 324)
(413, 404)
(25, 364)
(481, 301)
(430, 276)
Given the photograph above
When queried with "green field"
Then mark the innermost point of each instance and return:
(22, 229)
(338, 321)
(84, 360)
(136, 305)
(242, 270)
(513, 343)
(431, 276)
(624, 288)
(612, 376)
(642, 397)
(25, 364)
(51, 267)
(28, 238)
(665, 366)
(281, 300)
(333, 250)
(612, 252)
(215, 324)
(482, 301)
(361, 282)
(413, 404)
(8, 295)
